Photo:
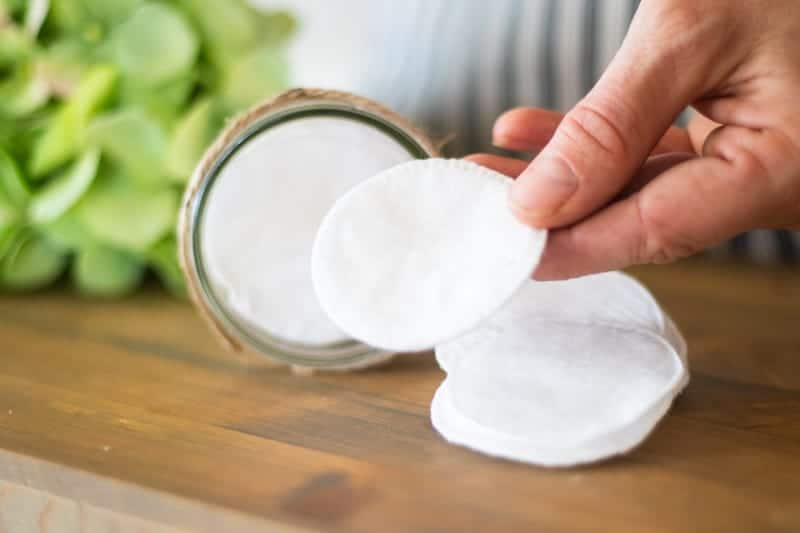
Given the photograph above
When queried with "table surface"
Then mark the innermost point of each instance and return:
(132, 406)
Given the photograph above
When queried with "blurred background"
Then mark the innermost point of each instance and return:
(106, 105)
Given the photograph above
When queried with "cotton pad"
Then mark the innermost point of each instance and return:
(421, 253)
(612, 298)
(263, 212)
(557, 394)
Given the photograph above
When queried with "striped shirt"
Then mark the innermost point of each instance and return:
(453, 66)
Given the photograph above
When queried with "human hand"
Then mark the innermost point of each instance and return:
(618, 186)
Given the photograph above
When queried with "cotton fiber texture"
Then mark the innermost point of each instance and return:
(566, 373)
(421, 253)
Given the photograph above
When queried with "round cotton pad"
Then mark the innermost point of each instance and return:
(421, 253)
(263, 213)
(609, 298)
(557, 394)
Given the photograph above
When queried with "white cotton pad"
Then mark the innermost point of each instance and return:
(421, 253)
(555, 393)
(673, 336)
(610, 298)
(263, 212)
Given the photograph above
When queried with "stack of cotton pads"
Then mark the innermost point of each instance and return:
(427, 254)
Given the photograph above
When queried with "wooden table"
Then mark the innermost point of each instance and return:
(126, 416)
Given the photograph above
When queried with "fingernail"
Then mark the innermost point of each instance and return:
(544, 188)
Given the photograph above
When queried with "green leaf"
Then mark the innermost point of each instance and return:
(35, 15)
(261, 74)
(226, 32)
(155, 44)
(62, 139)
(17, 136)
(120, 214)
(63, 64)
(104, 271)
(163, 102)
(23, 93)
(15, 45)
(239, 28)
(276, 27)
(163, 258)
(110, 12)
(67, 232)
(31, 263)
(8, 216)
(134, 141)
(7, 238)
(191, 137)
(12, 8)
(64, 191)
(12, 185)
(69, 16)
(88, 19)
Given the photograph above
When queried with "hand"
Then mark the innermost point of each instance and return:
(618, 186)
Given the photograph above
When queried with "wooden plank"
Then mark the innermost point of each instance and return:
(29, 510)
(35, 486)
(136, 394)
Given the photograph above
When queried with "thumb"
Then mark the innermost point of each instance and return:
(604, 140)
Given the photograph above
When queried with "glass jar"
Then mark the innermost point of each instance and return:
(251, 211)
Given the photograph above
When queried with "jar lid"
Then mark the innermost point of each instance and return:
(252, 208)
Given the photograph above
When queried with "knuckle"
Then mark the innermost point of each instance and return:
(750, 158)
(596, 127)
(660, 239)
(749, 169)
(592, 141)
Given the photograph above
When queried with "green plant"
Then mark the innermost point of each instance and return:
(105, 107)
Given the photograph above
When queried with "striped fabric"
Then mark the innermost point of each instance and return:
(453, 66)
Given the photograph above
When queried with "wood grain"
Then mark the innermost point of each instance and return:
(137, 407)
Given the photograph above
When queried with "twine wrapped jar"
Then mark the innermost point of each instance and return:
(223, 160)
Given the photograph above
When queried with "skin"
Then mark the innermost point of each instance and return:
(618, 186)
